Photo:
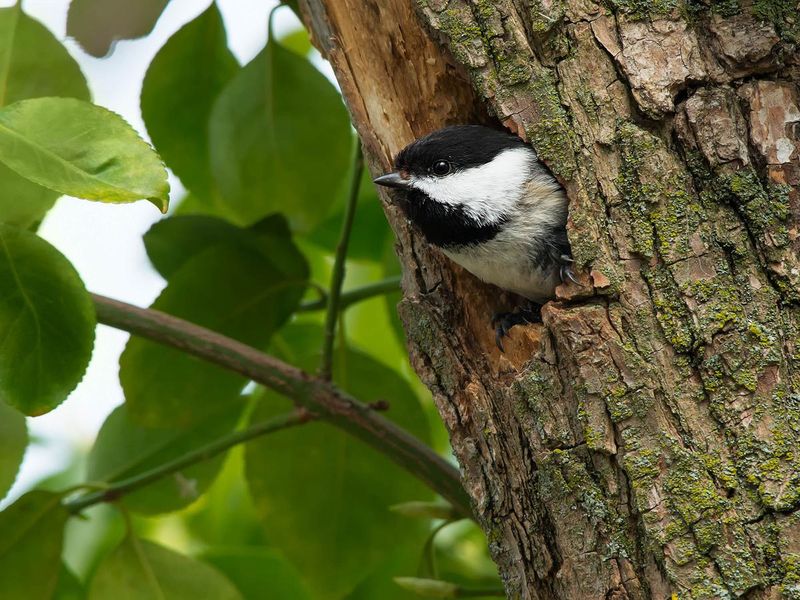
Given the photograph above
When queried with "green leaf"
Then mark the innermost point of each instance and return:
(428, 588)
(462, 557)
(280, 140)
(91, 536)
(380, 582)
(170, 243)
(227, 517)
(370, 233)
(191, 204)
(317, 488)
(97, 24)
(82, 150)
(259, 573)
(30, 546)
(141, 570)
(47, 323)
(22, 202)
(245, 289)
(180, 87)
(297, 41)
(69, 587)
(32, 63)
(124, 449)
(13, 441)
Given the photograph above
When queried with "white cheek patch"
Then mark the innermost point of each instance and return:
(487, 192)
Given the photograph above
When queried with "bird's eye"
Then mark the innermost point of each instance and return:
(441, 167)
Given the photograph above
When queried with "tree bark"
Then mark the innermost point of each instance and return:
(643, 441)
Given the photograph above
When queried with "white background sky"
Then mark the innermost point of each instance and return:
(104, 241)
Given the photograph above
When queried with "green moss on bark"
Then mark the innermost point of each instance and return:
(644, 9)
(550, 132)
(690, 493)
(671, 311)
(783, 14)
(512, 74)
(656, 192)
(761, 211)
(423, 333)
(564, 479)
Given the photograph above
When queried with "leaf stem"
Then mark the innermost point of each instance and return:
(337, 277)
(317, 395)
(350, 297)
(120, 488)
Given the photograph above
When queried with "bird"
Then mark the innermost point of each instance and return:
(484, 198)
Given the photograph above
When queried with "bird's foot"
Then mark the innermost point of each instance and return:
(504, 321)
(566, 271)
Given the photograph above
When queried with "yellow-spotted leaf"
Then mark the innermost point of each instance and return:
(80, 149)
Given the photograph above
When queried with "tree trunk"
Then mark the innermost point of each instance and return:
(643, 441)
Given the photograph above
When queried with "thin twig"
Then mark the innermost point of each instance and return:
(131, 484)
(350, 297)
(337, 276)
(320, 397)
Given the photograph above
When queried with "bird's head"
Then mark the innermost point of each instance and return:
(459, 179)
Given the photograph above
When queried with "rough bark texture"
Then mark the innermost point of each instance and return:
(644, 441)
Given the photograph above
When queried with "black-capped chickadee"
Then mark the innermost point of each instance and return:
(483, 197)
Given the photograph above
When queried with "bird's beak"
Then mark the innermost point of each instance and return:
(392, 180)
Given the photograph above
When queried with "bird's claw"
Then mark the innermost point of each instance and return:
(503, 322)
(566, 271)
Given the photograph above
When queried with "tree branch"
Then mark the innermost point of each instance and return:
(340, 260)
(350, 297)
(318, 396)
(131, 484)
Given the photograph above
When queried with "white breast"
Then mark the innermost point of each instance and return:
(505, 261)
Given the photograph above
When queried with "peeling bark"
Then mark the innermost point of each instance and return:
(643, 441)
